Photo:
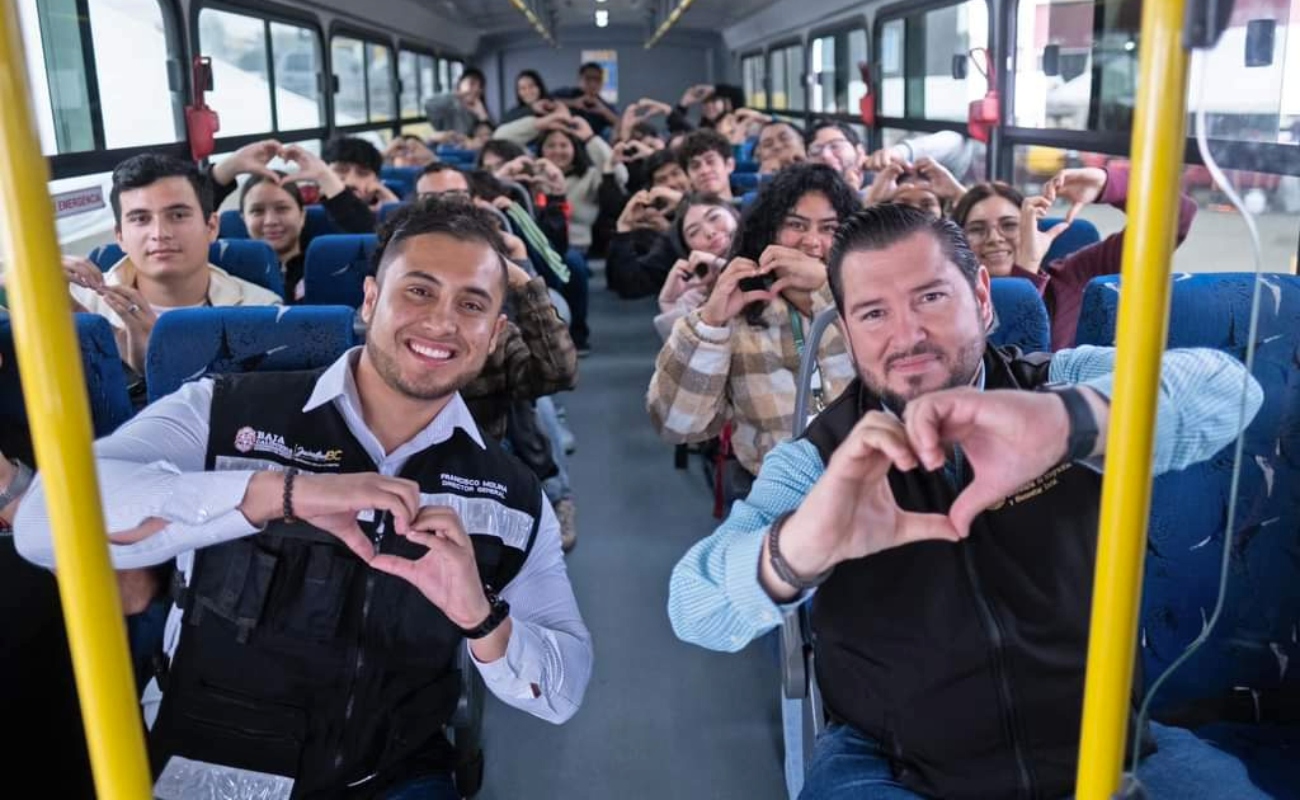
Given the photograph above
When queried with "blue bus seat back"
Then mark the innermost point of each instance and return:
(1079, 235)
(1021, 316)
(192, 343)
(1253, 642)
(335, 269)
(106, 381)
(248, 259)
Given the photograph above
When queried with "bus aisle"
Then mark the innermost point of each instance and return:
(661, 719)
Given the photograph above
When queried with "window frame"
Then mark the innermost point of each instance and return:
(267, 13)
(780, 46)
(366, 37)
(840, 31)
(747, 56)
(417, 49)
(1234, 154)
(180, 94)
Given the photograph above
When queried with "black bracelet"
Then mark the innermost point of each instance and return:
(782, 567)
(289, 475)
(1081, 439)
(498, 611)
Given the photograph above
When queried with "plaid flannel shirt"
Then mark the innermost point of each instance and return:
(534, 358)
(705, 376)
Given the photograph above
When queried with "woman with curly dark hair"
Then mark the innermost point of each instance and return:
(737, 357)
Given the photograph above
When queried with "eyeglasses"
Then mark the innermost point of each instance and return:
(1009, 228)
(454, 194)
(838, 145)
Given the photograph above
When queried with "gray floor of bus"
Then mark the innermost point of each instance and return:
(661, 719)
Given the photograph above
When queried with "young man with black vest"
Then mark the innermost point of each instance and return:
(945, 511)
(338, 534)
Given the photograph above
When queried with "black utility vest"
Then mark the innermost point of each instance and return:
(297, 659)
(966, 662)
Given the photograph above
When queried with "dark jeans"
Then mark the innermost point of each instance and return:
(574, 293)
(430, 787)
(848, 766)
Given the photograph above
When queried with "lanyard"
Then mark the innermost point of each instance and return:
(796, 325)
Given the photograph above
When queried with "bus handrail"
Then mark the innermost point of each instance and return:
(59, 412)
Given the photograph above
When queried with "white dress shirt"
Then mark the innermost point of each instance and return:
(153, 466)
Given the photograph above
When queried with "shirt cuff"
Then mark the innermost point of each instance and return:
(520, 669)
(743, 589)
(714, 334)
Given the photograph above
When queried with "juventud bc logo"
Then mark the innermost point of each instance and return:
(245, 439)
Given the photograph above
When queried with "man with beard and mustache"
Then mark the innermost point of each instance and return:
(338, 534)
(945, 510)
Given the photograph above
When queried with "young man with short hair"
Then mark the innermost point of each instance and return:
(164, 224)
(454, 115)
(708, 160)
(358, 163)
(340, 535)
(585, 100)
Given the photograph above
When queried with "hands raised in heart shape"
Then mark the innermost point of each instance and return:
(1008, 437)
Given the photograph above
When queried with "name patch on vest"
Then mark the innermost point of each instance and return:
(250, 440)
(1043, 483)
(484, 517)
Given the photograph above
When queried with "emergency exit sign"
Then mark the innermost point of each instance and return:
(78, 201)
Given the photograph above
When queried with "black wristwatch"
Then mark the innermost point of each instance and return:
(498, 611)
(1082, 440)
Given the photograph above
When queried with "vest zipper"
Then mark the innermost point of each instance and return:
(357, 665)
(994, 630)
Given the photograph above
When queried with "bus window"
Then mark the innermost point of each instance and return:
(824, 90)
(379, 82)
(787, 78)
(754, 77)
(129, 49)
(444, 76)
(857, 55)
(130, 39)
(297, 86)
(428, 81)
(454, 70)
(241, 86)
(346, 56)
(408, 74)
(891, 69)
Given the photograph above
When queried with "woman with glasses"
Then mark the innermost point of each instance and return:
(1002, 227)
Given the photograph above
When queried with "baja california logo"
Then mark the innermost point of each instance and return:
(245, 439)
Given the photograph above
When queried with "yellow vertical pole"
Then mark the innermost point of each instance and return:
(54, 386)
(1157, 149)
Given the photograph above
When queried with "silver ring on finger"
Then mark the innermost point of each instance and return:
(131, 309)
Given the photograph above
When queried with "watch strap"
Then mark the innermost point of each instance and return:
(498, 611)
(1083, 431)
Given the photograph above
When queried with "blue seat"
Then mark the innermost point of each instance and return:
(335, 269)
(249, 259)
(1256, 637)
(1022, 317)
(386, 210)
(106, 384)
(190, 343)
(318, 222)
(402, 188)
(746, 167)
(458, 156)
(231, 225)
(1079, 235)
(407, 177)
(744, 182)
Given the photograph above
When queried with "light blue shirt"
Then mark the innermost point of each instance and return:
(153, 466)
(715, 598)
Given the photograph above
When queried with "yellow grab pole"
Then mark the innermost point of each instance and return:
(55, 389)
(1158, 136)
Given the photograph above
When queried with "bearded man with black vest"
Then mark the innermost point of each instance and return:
(338, 535)
(942, 515)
